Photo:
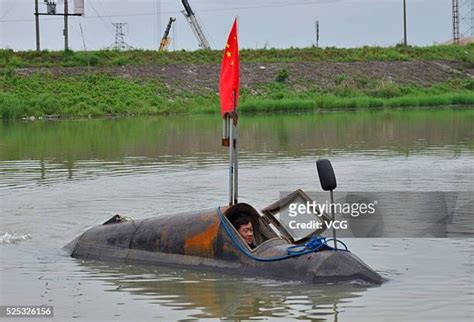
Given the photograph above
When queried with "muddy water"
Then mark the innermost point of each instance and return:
(58, 178)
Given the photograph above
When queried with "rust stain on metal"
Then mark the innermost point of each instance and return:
(202, 244)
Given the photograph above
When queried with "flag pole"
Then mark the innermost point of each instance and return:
(229, 87)
(231, 159)
(236, 154)
(236, 134)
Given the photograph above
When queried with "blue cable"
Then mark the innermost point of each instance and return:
(314, 244)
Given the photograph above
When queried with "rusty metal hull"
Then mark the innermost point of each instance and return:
(198, 240)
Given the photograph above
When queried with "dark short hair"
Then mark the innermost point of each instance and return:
(240, 220)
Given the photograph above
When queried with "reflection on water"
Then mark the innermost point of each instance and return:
(199, 136)
(219, 295)
(421, 287)
(49, 150)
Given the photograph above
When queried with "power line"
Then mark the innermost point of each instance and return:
(99, 16)
(7, 11)
(103, 9)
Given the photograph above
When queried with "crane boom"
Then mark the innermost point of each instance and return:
(165, 41)
(195, 26)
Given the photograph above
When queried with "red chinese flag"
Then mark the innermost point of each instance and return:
(230, 79)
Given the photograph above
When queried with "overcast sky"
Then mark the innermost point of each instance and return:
(275, 23)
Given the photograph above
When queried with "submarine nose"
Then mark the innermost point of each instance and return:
(340, 266)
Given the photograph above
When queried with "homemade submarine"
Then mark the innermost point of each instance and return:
(207, 240)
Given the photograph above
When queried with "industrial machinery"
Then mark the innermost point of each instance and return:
(165, 41)
(50, 7)
(195, 26)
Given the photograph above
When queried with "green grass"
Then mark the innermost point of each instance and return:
(9, 58)
(328, 102)
(92, 96)
(278, 97)
(101, 95)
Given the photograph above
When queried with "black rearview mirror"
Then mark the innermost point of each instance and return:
(326, 175)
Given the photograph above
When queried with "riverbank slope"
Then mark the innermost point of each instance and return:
(71, 84)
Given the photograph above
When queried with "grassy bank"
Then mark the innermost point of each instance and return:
(188, 86)
(11, 59)
(102, 94)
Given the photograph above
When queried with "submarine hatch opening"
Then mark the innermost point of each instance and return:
(263, 230)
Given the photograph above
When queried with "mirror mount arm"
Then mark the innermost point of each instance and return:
(327, 178)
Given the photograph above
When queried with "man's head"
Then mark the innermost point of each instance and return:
(243, 224)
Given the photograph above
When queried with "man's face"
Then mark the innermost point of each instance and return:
(246, 231)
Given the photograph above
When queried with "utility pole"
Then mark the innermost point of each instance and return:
(404, 22)
(317, 33)
(51, 11)
(37, 26)
(66, 42)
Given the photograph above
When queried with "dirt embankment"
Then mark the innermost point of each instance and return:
(301, 75)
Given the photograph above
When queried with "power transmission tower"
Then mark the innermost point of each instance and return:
(455, 21)
(466, 20)
(120, 43)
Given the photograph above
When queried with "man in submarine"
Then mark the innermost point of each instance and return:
(243, 224)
